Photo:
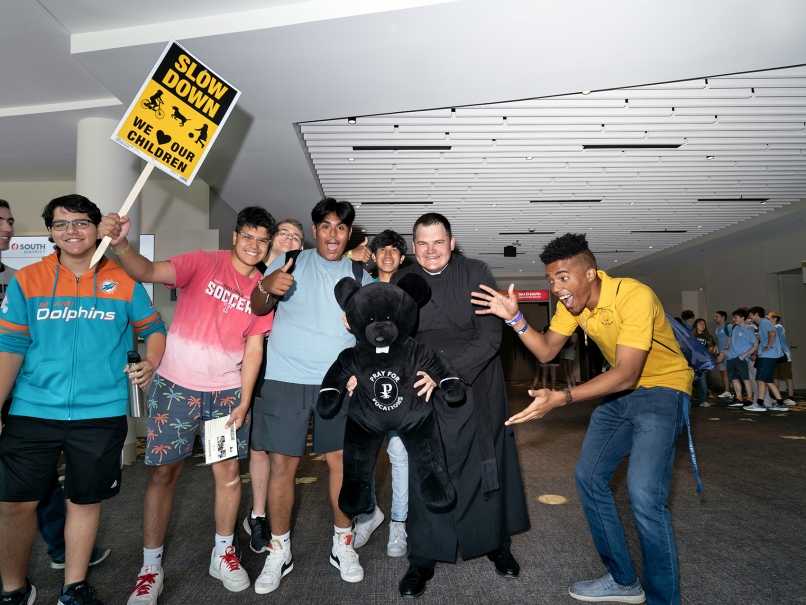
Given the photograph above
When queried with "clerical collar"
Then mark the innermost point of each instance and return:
(438, 272)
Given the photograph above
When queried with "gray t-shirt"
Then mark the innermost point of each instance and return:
(5, 277)
(308, 333)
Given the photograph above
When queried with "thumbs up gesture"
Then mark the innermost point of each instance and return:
(361, 253)
(280, 281)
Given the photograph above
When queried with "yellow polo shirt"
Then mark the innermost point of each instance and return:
(628, 313)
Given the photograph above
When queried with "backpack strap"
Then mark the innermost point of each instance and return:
(292, 255)
(358, 272)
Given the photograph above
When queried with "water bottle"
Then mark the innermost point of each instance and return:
(137, 396)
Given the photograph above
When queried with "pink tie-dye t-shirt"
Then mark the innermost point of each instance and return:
(211, 322)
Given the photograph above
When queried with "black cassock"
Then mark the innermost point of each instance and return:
(480, 522)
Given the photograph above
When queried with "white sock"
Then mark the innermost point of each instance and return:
(285, 542)
(221, 544)
(342, 530)
(254, 516)
(152, 556)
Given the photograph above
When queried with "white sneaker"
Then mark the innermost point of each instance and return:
(364, 525)
(397, 545)
(779, 408)
(148, 586)
(790, 402)
(344, 558)
(227, 568)
(725, 395)
(279, 564)
(755, 408)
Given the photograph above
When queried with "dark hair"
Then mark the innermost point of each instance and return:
(344, 210)
(705, 333)
(71, 203)
(722, 313)
(4, 204)
(687, 315)
(388, 238)
(741, 312)
(567, 246)
(757, 311)
(255, 217)
(430, 219)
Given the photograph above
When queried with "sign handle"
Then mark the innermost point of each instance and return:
(124, 210)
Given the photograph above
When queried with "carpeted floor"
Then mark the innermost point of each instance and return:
(740, 542)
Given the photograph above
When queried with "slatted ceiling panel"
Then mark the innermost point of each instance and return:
(753, 124)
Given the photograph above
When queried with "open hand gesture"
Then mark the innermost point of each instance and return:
(504, 306)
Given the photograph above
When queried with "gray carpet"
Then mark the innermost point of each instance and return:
(741, 541)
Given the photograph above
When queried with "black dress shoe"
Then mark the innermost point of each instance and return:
(505, 563)
(412, 585)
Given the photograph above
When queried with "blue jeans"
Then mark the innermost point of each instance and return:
(51, 516)
(703, 378)
(400, 477)
(643, 424)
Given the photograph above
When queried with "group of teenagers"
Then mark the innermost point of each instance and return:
(752, 352)
(253, 333)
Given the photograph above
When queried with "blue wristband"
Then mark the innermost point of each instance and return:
(523, 329)
(513, 322)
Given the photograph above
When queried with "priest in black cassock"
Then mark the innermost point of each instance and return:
(479, 450)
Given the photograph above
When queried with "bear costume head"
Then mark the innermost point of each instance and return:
(382, 313)
(385, 362)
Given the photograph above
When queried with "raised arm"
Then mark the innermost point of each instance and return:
(543, 346)
(136, 266)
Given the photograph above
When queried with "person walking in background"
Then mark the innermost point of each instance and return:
(701, 333)
(688, 318)
(742, 343)
(769, 353)
(722, 333)
(783, 369)
(568, 356)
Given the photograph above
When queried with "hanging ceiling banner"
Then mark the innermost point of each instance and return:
(175, 118)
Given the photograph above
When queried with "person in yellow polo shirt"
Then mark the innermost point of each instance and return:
(645, 398)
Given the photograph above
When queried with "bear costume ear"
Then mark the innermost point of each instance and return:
(416, 287)
(345, 288)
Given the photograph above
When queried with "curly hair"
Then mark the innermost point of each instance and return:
(255, 217)
(567, 246)
(388, 238)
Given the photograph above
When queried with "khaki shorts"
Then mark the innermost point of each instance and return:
(783, 371)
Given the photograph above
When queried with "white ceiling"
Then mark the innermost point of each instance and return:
(520, 173)
(312, 62)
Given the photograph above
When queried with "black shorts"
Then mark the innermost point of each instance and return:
(30, 449)
(281, 417)
(765, 368)
(737, 369)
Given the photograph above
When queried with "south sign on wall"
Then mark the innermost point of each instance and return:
(177, 114)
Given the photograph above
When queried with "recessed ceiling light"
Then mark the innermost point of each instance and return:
(699, 226)
(762, 203)
(586, 92)
(650, 247)
(615, 261)
(476, 229)
(363, 230)
(632, 203)
(493, 204)
(351, 120)
(709, 157)
(520, 270)
(351, 159)
(528, 157)
(533, 262)
(589, 228)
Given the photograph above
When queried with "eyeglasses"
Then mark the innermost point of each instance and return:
(262, 242)
(289, 235)
(78, 224)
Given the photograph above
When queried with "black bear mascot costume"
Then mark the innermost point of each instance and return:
(385, 361)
